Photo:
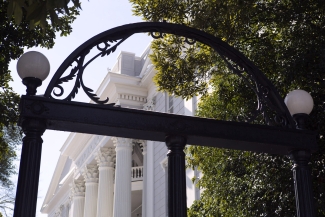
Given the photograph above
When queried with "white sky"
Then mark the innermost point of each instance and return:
(96, 17)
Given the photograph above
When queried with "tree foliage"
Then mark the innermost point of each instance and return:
(286, 40)
(14, 38)
(7, 200)
(37, 13)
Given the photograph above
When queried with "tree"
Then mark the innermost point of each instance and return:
(14, 38)
(38, 12)
(7, 200)
(285, 39)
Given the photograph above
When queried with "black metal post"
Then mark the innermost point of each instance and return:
(32, 84)
(303, 184)
(30, 160)
(27, 187)
(302, 174)
(176, 176)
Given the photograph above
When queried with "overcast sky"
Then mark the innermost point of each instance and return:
(96, 16)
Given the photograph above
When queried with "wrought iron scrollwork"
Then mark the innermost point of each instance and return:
(265, 105)
(156, 35)
(104, 49)
(190, 41)
(268, 99)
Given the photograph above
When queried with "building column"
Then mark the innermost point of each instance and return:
(66, 210)
(122, 191)
(90, 174)
(78, 198)
(150, 179)
(105, 158)
(148, 170)
(144, 186)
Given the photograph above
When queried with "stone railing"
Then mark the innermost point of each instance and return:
(137, 174)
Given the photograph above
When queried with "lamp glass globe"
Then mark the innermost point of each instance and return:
(33, 64)
(299, 102)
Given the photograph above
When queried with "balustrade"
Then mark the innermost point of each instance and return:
(137, 174)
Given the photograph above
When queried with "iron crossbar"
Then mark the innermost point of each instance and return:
(147, 125)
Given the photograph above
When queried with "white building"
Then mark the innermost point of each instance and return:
(103, 176)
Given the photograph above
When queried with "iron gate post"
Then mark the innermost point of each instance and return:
(177, 206)
(30, 162)
(303, 183)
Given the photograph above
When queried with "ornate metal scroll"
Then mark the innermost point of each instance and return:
(264, 93)
(268, 98)
(104, 47)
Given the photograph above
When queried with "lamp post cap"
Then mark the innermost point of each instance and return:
(33, 64)
(299, 102)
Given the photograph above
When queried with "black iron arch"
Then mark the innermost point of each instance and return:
(267, 94)
(38, 113)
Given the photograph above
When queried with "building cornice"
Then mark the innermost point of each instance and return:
(75, 144)
(90, 152)
(113, 78)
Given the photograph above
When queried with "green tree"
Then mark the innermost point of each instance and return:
(286, 40)
(7, 200)
(14, 38)
(37, 13)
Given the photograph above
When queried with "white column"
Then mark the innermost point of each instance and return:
(144, 187)
(66, 210)
(70, 208)
(150, 179)
(105, 157)
(90, 174)
(122, 191)
(78, 198)
(148, 169)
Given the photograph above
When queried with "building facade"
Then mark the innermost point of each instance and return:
(104, 176)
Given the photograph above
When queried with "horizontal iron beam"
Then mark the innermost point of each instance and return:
(138, 124)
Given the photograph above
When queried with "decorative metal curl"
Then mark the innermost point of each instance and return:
(264, 104)
(281, 120)
(156, 35)
(190, 41)
(268, 98)
(78, 70)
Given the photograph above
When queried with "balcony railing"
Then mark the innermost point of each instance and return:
(137, 174)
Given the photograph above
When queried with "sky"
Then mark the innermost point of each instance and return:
(96, 16)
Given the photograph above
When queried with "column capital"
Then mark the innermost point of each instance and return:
(124, 143)
(150, 105)
(90, 173)
(144, 149)
(105, 157)
(77, 188)
(142, 144)
(58, 212)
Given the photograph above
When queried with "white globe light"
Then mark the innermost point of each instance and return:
(299, 102)
(33, 64)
